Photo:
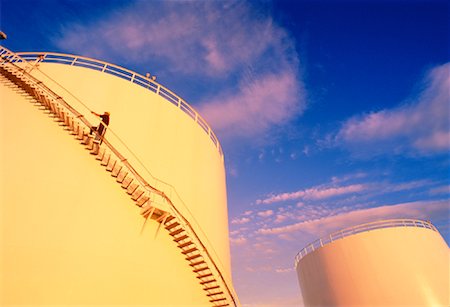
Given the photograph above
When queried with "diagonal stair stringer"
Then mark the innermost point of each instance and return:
(154, 203)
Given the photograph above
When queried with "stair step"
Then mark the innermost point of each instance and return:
(178, 231)
(95, 148)
(126, 182)
(117, 168)
(181, 238)
(211, 288)
(218, 299)
(111, 164)
(101, 154)
(138, 193)
(86, 139)
(185, 244)
(141, 201)
(169, 227)
(200, 269)
(189, 250)
(121, 176)
(215, 293)
(205, 275)
(70, 122)
(197, 263)
(132, 187)
(80, 134)
(75, 127)
(91, 145)
(207, 281)
(105, 160)
(193, 257)
(170, 218)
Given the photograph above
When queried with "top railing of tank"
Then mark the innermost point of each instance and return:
(361, 228)
(146, 82)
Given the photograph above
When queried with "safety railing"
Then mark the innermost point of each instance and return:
(7, 56)
(361, 228)
(121, 72)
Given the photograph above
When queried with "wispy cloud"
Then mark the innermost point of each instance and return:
(421, 127)
(247, 63)
(313, 193)
(268, 100)
(240, 221)
(322, 226)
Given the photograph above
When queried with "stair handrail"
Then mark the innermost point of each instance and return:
(12, 58)
(340, 234)
(39, 57)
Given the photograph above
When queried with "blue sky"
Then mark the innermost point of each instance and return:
(330, 113)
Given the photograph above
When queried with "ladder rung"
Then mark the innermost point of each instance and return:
(189, 250)
(222, 305)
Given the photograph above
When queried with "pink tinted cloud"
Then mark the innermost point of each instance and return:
(322, 226)
(422, 127)
(314, 193)
(265, 213)
(205, 39)
(240, 221)
(270, 99)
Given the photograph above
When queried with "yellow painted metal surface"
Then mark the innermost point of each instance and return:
(407, 266)
(69, 233)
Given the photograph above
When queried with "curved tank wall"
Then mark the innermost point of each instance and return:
(392, 266)
(69, 234)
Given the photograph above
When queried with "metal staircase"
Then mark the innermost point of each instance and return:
(154, 203)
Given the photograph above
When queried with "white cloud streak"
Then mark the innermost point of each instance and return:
(314, 193)
(421, 127)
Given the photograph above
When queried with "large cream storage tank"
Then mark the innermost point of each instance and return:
(70, 230)
(385, 263)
